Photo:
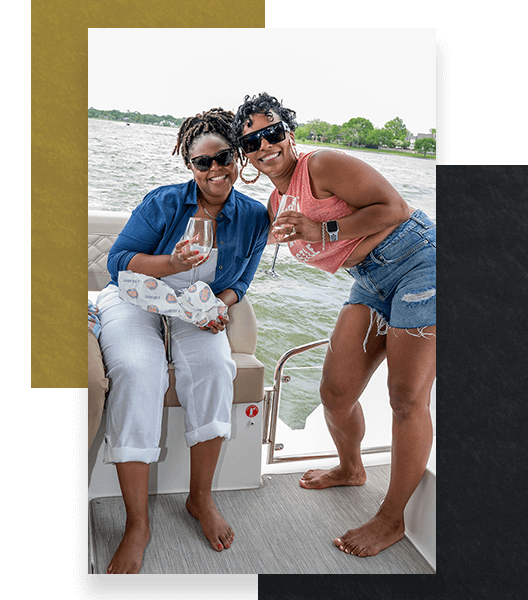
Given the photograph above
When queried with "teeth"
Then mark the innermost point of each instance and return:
(218, 178)
(270, 157)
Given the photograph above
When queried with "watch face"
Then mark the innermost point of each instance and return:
(332, 226)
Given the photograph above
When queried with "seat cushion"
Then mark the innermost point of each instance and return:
(248, 387)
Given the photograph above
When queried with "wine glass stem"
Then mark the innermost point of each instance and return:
(275, 257)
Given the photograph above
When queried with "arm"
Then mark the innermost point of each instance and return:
(378, 205)
(271, 237)
(162, 265)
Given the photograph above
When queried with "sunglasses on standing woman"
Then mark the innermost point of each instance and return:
(274, 133)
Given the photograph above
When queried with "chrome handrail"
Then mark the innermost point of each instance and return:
(271, 413)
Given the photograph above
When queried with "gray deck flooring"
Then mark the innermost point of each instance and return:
(279, 528)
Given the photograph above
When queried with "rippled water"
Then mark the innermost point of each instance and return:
(125, 162)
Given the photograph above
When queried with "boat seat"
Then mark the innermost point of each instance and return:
(103, 229)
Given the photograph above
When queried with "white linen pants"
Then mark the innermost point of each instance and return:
(136, 366)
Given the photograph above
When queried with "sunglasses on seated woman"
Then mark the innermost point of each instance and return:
(223, 158)
(274, 133)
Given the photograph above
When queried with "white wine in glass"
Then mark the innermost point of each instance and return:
(200, 234)
(287, 202)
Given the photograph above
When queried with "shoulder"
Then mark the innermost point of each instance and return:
(334, 171)
(325, 160)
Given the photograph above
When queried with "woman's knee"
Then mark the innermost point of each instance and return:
(336, 394)
(408, 399)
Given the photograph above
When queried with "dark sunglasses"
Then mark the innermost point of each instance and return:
(222, 158)
(274, 134)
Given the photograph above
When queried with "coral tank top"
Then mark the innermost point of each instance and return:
(318, 210)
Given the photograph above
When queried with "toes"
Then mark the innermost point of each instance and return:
(223, 541)
(227, 539)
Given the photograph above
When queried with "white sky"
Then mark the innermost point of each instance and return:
(330, 74)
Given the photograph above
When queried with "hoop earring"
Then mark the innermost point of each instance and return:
(248, 181)
(294, 147)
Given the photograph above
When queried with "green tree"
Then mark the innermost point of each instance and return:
(425, 145)
(397, 128)
(319, 128)
(334, 133)
(302, 133)
(373, 138)
(362, 126)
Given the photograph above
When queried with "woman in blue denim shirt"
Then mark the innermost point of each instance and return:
(133, 348)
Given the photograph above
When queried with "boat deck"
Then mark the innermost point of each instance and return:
(279, 528)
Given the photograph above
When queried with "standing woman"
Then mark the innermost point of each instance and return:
(131, 340)
(351, 217)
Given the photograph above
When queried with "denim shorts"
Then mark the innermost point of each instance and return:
(397, 280)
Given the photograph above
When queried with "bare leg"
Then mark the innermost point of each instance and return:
(340, 393)
(411, 363)
(204, 457)
(133, 479)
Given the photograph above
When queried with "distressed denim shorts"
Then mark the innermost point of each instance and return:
(397, 280)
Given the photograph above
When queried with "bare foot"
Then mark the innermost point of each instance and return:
(372, 537)
(129, 555)
(216, 530)
(318, 479)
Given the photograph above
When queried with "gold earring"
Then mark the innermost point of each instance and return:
(244, 165)
(294, 147)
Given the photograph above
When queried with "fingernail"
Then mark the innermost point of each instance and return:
(197, 252)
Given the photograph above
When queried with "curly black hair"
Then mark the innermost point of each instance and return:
(262, 104)
(216, 121)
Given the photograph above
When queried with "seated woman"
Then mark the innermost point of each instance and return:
(131, 340)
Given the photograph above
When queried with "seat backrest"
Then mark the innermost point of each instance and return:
(103, 229)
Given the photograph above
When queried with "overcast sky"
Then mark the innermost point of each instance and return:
(330, 74)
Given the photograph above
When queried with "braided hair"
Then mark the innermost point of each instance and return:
(215, 121)
(262, 104)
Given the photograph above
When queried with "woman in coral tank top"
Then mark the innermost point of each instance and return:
(351, 217)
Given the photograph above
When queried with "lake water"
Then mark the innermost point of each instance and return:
(125, 162)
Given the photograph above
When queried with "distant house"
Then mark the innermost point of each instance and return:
(412, 138)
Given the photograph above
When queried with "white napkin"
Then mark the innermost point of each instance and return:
(197, 304)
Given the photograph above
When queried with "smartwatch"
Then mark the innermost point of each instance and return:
(332, 227)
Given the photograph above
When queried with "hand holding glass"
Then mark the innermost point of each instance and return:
(287, 203)
(199, 232)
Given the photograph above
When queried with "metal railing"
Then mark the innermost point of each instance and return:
(271, 412)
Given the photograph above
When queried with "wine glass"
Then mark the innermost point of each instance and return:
(199, 232)
(287, 202)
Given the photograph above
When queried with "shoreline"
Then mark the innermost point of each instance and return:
(408, 153)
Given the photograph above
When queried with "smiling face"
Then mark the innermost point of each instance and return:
(216, 183)
(271, 159)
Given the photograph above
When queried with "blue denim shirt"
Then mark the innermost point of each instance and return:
(158, 223)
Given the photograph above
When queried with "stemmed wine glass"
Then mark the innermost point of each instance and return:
(199, 232)
(287, 202)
